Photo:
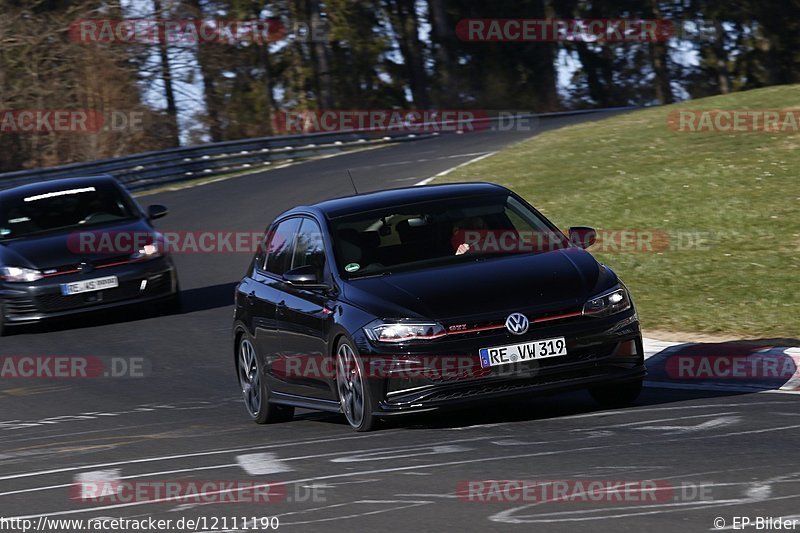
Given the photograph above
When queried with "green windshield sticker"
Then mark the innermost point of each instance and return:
(352, 267)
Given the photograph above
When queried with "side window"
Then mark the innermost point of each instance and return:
(280, 246)
(309, 249)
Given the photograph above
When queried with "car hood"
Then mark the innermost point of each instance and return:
(54, 250)
(502, 284)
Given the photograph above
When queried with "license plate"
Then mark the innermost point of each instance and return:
(527, 351)
(89, 285)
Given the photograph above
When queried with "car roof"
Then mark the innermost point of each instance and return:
(50, 185)
(408, 195)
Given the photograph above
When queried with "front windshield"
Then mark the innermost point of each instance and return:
(63, 209)
(422, 235)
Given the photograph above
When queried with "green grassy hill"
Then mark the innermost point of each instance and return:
(724, 207)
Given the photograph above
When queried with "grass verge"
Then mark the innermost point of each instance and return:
(721, 209)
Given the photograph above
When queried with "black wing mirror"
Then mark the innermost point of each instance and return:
(156, 211)
(582, 236)
(306, 277)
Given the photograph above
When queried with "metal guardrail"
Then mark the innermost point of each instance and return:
(151, 169)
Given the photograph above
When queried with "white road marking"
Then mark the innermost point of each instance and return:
(334, 485)
(640, 422)
(428, 466)
(223, 466)
(449, 170)
(511, 516)
(146, 474)
(179, 456)
(722, 421)
(260, 464)
(86, 480)
(421, 160)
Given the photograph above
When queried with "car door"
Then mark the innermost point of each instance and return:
(264, 294)
(305, 319)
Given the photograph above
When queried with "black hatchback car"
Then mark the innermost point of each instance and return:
(422, 298)
(82, 244)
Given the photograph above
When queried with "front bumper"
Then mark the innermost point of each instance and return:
(139, 282)
(599, 351)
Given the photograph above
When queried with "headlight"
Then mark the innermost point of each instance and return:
(403, 331)
(609, 303)
(20, 274)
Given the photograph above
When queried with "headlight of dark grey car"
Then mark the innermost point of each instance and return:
(20, 274)
(396, 331)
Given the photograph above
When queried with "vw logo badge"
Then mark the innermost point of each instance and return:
(517, 323)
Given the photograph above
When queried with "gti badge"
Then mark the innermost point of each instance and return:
(517, 323)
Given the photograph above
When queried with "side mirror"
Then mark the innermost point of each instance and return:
(156, 211)
(305, 277)
(582, 236)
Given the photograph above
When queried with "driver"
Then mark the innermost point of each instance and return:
(471, 224)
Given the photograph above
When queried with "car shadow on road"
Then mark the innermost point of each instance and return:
(680, 373)
(192, 301)
(204, 298)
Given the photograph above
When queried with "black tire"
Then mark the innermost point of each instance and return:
(354, 392)
(254, 388)
(3, 328)
(618, 394)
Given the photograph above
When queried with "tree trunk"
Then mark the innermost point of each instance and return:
(406, 25)
(166, 78)
(442, 34)
(659, 62)
(321, 55)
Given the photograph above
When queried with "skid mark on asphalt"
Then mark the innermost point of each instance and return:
(753, 493)
(347, 513)
(251, 461)
(17, 425)
(719, 422)
(401, 453)
(708, 433)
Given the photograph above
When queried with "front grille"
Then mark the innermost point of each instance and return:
(476, 328)
(19, 306)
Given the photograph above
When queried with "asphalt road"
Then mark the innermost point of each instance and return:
(710, 454)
